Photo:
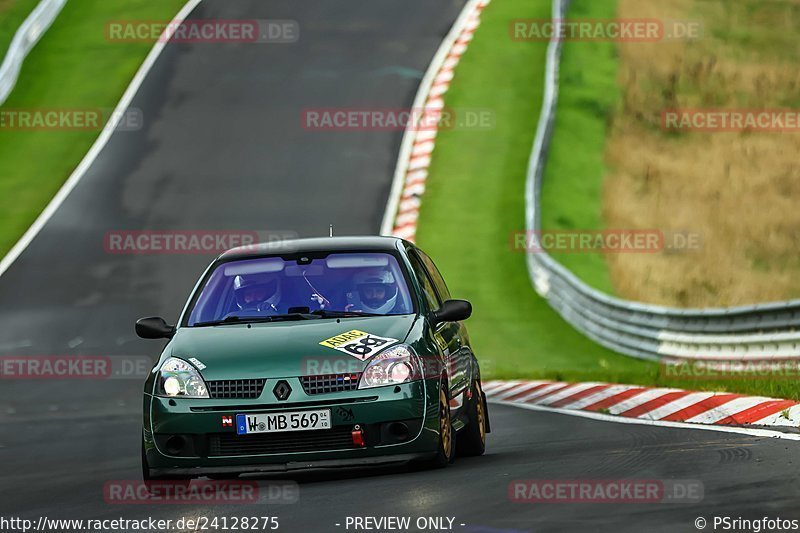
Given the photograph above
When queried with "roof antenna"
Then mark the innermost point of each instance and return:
(330, 231)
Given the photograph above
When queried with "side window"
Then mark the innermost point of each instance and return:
(427, 287)
(436, 276)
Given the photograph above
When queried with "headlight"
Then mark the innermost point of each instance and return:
(391, 367)
(179, 378)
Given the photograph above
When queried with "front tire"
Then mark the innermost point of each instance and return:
(445, 453)
(472, 439)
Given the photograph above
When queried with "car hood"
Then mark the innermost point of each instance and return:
(280, 349)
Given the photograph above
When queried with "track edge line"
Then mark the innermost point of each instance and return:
(100, 143)
(406, 145)
(754, 432)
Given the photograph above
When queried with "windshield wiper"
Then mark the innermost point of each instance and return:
(234, 320)
(255, 319)
(324, 313)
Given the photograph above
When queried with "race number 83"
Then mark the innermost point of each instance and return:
(359, 344)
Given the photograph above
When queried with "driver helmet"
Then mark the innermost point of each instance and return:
(377, 290)
(256, 291)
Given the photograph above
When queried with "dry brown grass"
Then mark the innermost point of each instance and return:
(739, 191)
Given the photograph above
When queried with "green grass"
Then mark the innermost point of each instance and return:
(73, 66)
(572, 195)
(475, 200)
(12, 14)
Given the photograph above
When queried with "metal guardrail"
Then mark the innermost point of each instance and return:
(24, 40)
(759, 332)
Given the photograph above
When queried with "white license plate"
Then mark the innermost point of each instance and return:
(287, 421)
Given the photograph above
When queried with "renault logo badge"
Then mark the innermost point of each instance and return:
(282, 390)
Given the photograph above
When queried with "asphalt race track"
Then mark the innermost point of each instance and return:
(743, 476)
(223, 148)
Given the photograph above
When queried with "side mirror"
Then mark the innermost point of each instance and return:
(154, 327)
(452, 311)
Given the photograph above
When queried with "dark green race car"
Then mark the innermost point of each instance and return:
(313, 353)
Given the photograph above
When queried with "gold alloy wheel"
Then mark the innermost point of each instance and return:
(481, 418)
(445, 427)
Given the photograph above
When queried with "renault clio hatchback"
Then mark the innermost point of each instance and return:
(313, 353)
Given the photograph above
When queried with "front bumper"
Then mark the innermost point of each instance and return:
(211, 448)
(364, 462)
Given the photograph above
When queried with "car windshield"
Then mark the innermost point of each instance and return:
(338, 285)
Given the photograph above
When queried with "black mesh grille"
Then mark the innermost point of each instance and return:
(330, 383)
(224, 444)
(236, 388)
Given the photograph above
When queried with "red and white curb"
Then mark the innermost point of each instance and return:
(609, 402)
(650, 404)
(411, 174)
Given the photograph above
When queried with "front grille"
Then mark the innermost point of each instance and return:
(236, 388)
(330, 383)
(228, 444)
